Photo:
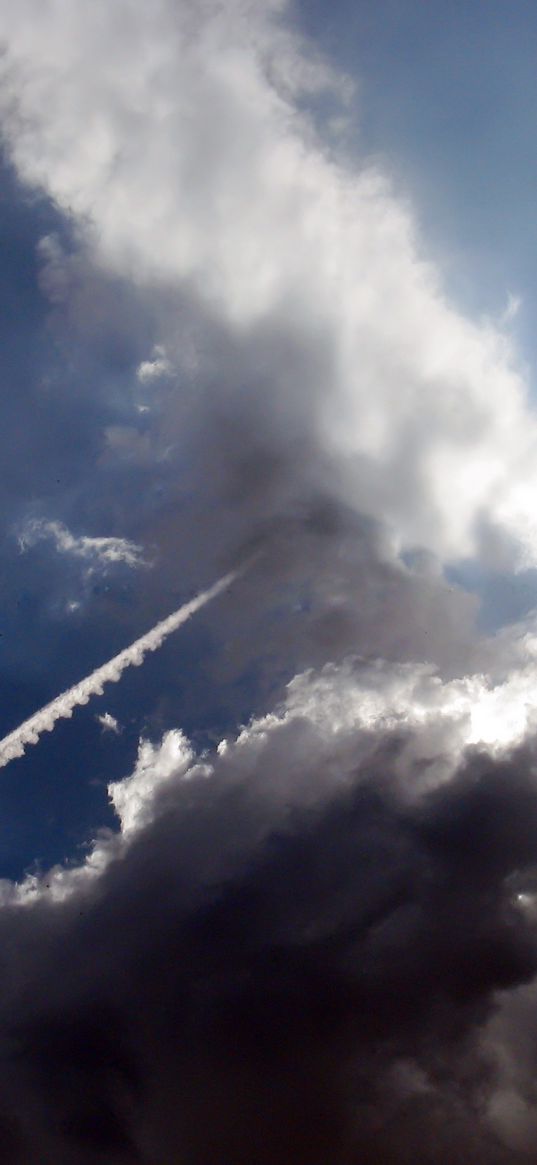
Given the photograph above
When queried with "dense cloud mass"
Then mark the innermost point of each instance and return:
(308, 317)
(295, 950)
(316, 940)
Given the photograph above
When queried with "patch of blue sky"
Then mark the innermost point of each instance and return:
(446, 99)
(503, 598)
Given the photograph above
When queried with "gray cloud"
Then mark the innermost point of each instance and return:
(316, 943)
(296, 982)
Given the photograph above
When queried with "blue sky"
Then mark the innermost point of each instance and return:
(255, 316)
(446, 93)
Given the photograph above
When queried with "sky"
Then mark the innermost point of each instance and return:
(268, 535)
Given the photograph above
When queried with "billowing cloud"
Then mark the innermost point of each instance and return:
(248, 214)
(317, 942)
(294, 948)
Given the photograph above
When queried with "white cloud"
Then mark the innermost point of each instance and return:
(154, 369)
(109, 723)
(132, 797)
(98, 552)
(174, 134)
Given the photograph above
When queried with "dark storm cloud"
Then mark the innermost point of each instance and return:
(308, 988)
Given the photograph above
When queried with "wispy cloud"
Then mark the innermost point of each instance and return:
(109, 723)
(98, 553)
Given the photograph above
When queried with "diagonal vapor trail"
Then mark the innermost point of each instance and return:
(14, 744)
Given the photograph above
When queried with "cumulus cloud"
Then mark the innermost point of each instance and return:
(317, 942)
(319, 390)
(253, 218)
(302, 946)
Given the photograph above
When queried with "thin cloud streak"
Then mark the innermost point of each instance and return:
(14, 744)
(103, 551)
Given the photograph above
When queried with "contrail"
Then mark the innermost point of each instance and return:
(14, 744)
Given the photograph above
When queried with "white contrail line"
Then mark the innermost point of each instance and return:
(29, 731)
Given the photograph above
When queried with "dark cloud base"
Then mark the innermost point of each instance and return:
(314, 998)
